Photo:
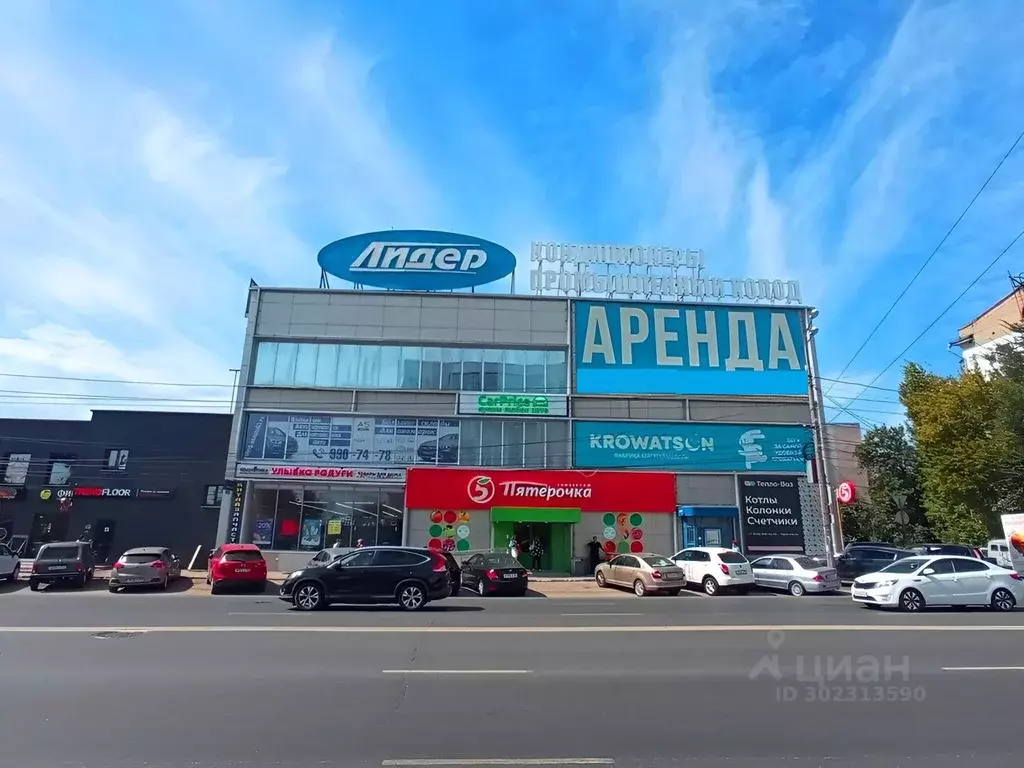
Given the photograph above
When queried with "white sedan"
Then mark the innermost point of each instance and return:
(9, 564)
(913, 583)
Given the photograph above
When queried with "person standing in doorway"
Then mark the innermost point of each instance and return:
(359, 544)
(536, 550)
(594, 553)
(735, 546)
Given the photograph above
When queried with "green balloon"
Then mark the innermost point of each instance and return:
(463, 545)
(435, 531)
(636, 519)
(623, 546)
(609, 519)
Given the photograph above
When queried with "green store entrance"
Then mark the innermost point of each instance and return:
(543, 536)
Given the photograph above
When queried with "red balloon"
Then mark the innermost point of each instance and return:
(609, 546)
(435, 516)
(450, 517)
(637, 533)
(448, 545)
(636, 546)
(434, 544)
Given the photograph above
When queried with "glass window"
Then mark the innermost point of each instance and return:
(410, 362)
(533, 444)
(490, 443)
(512, 450)
(369, 366)
(266, 358)
(472, 369)
(907, 565)
(338, 530)
(556, 371)
(284, 365)
(970, 566)
(451, 369)
(305, 365)
(389, 524)
(535, 364)
(557, 440)
(243, 556)
(364, 516)
(348, 365)
(60, 469)
(314, 508)
(469, 443)
(431, 375)
(287, 521)
(515, 370)
(327, 365)
(493, 370)
(264, 502)
(398, 557)
(390, 357)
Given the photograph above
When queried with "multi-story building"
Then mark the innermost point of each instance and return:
(465, 421)
(121, 479)
(979, 338)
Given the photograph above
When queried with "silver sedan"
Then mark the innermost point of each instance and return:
(796, 574)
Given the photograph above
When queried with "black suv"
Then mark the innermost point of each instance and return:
(68, 562)
(409, 576)
(858, 559)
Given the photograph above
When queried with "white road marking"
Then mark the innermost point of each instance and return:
(505, 761)
(983, 669)
(457, 671)
(602, 614)
(524, 630)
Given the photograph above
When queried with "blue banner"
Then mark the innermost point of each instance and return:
(691, 446)
(688, 349)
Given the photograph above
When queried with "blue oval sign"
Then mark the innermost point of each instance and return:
(416, 260)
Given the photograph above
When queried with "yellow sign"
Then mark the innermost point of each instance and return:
(334, 527)
(45, 494)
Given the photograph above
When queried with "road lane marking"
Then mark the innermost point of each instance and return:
(457, 671)
(526, 630)
(983, 669)
(504, 761)
(602, 614)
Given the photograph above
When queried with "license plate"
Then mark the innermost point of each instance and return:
(741, 571)
(510, 576)
(241, 570)
(58, 567)
(673, 576)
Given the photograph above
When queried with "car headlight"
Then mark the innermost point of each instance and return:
(294, 574)
(886, 583)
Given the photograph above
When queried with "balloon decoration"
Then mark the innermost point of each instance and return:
(449, 530)
(622, 532)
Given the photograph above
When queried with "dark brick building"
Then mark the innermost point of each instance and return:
(122, 479)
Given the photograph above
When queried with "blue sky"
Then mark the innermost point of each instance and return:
(155, 156)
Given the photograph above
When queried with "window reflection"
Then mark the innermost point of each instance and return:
(287, 519)
(409, 367)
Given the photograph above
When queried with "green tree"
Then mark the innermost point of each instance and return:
(893, 512)
(961, 447)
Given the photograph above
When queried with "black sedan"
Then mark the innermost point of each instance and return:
(495, 573)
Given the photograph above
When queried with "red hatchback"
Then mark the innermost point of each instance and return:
(237, 565)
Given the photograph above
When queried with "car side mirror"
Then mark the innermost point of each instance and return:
(928, 572)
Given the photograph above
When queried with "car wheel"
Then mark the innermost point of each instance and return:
(480, 589)
(796, 589)
(308, 596)
(411, 596)
(601, 581)
(1003, 600)
(911, 601)
(112, 589)
(639, 589)
(672, 592)
(710, 586)
(83, 581)
(214, 588)
(166, 581)
(34, 586)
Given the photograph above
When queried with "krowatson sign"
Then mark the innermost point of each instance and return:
(416, 260)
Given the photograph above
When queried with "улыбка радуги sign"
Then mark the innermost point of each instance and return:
(416, 260)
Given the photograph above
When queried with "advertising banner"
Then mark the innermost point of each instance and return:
(235, 516)
(688, 349)
(770, 514)
(316, 439)
(460, 489)
(493, 404)
(691, 446)
(1013, 530)
(346, 474)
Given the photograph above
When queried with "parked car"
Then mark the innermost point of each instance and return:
(145, 567)
(324, 556)
(237, 565)
(495, 573)
(10, 564)
(409, 576)
(796, 574)
(715, 569)
(962, 550)
(914, 583)
(70, 562)
(858, 559)
(645, 573)
(454, 572)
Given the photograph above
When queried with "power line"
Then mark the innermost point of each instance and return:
(931, 255)
(942, 313)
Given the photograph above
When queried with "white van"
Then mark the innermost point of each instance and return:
(1000, 552)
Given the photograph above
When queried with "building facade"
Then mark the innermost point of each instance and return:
(978, 340)
(467, 421)
(121, 479)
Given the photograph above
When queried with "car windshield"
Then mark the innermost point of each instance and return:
(145, 557)
(58, 553)
(907, 565)
(731, 557)
(243, 556)
(500, 560)
(657, 561)
(807, 563)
